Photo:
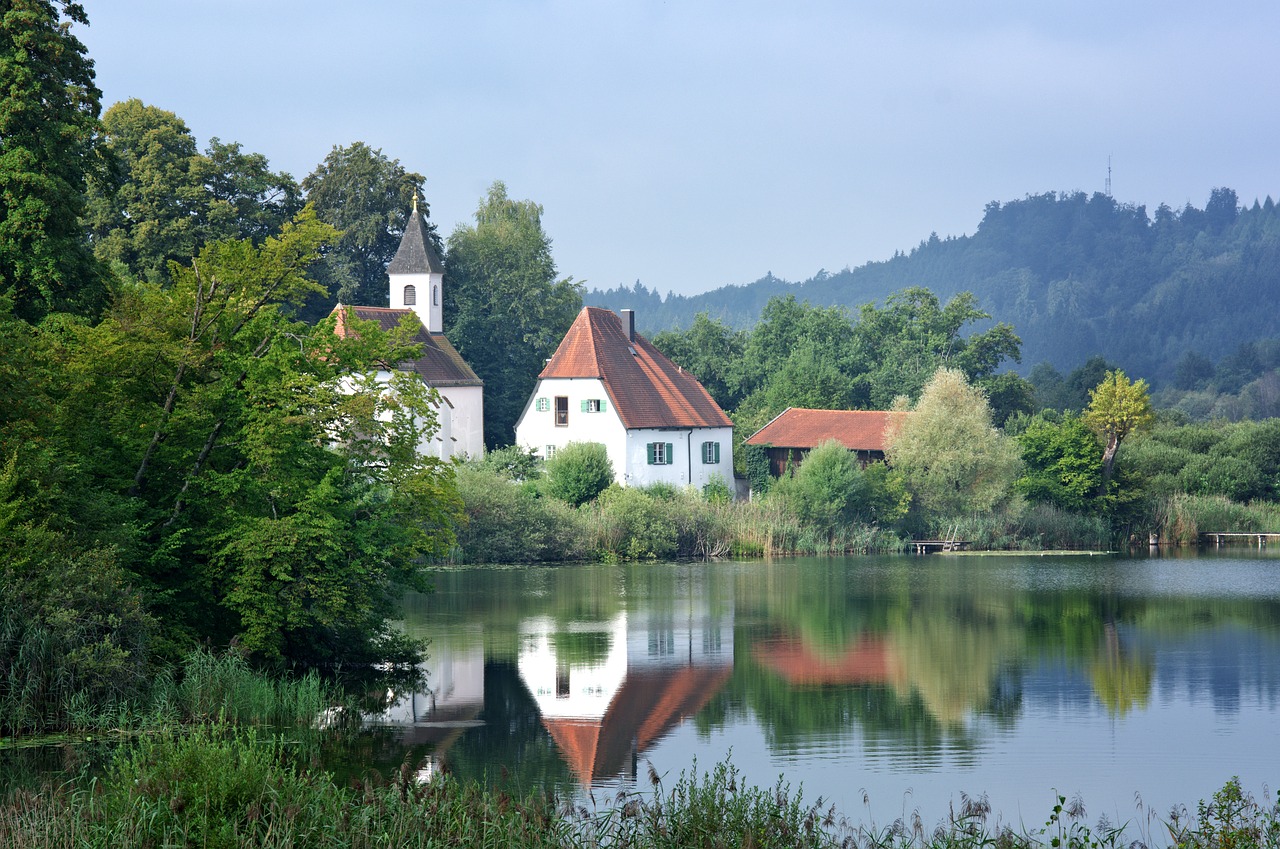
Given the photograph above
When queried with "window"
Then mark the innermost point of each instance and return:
(660, 453)
(410, 296)
(435, 296)
(593, 405)
(543, 405)
(711, 452)
(551, 452)
(562, 411)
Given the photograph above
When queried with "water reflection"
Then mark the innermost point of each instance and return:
(948, 671)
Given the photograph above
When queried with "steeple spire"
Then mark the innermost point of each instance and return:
(417, 274)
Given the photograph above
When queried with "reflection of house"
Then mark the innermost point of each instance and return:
(417, 282)
(608, 691)
(871, 660)
(795, 431)
(607, 384)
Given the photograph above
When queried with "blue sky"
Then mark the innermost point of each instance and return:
(693, 144)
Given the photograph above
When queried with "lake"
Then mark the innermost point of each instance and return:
(886, 684)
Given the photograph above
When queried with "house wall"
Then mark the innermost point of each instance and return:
(428, 300)
(627, 450)
(466, 413)
(537, 429)
(686, 467)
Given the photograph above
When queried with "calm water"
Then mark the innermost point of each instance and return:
(906, 680)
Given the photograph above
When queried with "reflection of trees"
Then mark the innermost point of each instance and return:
(1121, 679)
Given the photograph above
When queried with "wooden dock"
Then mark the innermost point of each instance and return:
(1252, 539)
(924, 546)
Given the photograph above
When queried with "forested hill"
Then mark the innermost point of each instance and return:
(1075, 275)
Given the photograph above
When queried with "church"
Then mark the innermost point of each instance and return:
(417, 290)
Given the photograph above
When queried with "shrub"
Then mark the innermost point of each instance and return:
(506, 522)
(579, 472)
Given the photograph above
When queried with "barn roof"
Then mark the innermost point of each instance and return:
(857, 430)
(646, 388)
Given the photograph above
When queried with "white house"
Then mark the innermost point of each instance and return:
(417, 290)
(608, 384)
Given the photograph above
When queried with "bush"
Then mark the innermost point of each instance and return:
(579, 472)
(506, 522)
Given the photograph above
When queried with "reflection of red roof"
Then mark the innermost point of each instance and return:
(869, 661)
(646, 388)
(857, 430)
(648, 705)
(440, 364)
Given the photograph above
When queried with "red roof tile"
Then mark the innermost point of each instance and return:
(440, 364)
(857, 430)
(646, 388)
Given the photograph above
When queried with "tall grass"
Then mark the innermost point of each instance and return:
(218, 786)
(1181, 518)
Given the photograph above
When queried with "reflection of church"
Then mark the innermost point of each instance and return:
(607, 691)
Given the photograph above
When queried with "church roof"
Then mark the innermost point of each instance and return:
(857, 430)
(416, 255)
(440, 364)
(646, 388)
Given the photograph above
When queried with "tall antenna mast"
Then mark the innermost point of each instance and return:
(1108, 175)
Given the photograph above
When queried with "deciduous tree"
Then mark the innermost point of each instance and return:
(952, 458)
(1117, 408)
(504, 309)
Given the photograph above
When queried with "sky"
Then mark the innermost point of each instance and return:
(692, 144)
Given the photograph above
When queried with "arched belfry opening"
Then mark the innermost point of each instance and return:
(410, 295)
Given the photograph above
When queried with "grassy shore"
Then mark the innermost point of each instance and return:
(218, 785)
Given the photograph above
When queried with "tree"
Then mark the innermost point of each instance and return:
(952, 459)
(48, 146)
(710, 350)
(504, 309)
(1062, 463)
(1117, 408)
(255, 498)
(165, 200)
(368, 197)
(579, 472)
(902, 344)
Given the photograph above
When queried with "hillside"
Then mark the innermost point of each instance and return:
(1076, 275)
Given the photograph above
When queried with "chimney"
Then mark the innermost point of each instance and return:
(629, 324)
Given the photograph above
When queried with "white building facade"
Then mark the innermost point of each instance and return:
(608, 384)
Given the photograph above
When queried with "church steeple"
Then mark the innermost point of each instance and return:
(417, 274)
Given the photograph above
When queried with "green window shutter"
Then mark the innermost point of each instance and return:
(653, 452)
(670, 454)
(584, 406)
(603, 405)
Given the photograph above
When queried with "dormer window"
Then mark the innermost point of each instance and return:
(410, 296)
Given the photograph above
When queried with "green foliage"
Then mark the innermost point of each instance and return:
(579, 472)
(712, 352)
(505, 312)
(165, 201)
(1117, 408)
(1062, 464)
(823, 491)
(756, 465)
(952, 460)
(1232, 820)
(514, 463)
(507, 522)
(367, 196)
(634, 525)
(717, 490)
(49, 146)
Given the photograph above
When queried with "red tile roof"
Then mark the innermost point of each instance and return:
(440, 364)
(857, 430)
(649, 704)
(646, 388)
